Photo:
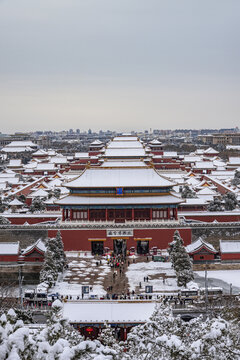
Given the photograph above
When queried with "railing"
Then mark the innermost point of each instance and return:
(112, 225)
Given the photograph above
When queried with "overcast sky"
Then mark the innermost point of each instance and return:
(126, 64)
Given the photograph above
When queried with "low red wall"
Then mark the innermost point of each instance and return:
(9, 258)
(230, 256)
(78, 239)
(30, 220)
(202, 257)
(212, 217)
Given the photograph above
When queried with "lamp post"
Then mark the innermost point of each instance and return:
(20, 279)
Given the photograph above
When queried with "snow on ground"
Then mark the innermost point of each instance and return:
(75, 289)
(155, 272)
(77, 254)
(82, 271)
(229, 276)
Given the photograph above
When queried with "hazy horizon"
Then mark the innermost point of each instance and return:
(119, 65)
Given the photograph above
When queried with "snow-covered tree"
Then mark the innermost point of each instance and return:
(22, 198)
(49, 271)
(4, 221)
(236, 179)
(112, 346)
(166, 337)
(15, 342)
(54, 260)
(54, 193)
(187, 192)
(37, 204)
(60, 253)
(181, 261)
(3, 206)
(215, 205)
(230, 201)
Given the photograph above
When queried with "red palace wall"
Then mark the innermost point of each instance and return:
(9, 258)
(210, 218)
(201, 257)
(30, 220)
(78, 239)
(230, 256)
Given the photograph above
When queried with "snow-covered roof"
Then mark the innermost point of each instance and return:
(125, 144)
(15, 202)
(169, 154)
(40, 152)
(234, 161)
(39, 192)
(206, 191)
(124, 177)
(204, 165)
(108, 200)
(39, 244)
(15, 163)
(199, 151)
(9, 248)
(96, 142)
(229, 246)
(16, 149)
(198, 244)
(124, 164)
(54, 182)
(21, 144)
(124, 152)
(125, 138)
(45, 166)
(59, 160)
(100, 312)
(195, 201)
(192, 158)
(193, 181)
(211, 151)
(81, 155)
(155, 142)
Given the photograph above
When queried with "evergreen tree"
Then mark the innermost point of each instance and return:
(181, 261)
(230, 201)
(4, 221)
(236, 179)
(61, 254)
(37, 204)
(15, 342)
(49, 271)
(187, 193)
(215, 205)
(22, 198)
(111, 345)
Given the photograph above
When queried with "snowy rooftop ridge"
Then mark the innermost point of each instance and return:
(100, 312)
(196, 245)
(229, 246)
(9, 248)
(124, 177)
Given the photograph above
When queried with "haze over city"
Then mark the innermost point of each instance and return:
(123, 65)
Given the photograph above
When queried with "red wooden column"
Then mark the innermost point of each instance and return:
(88, 215)
(71, 214)
(63, 214)
(132, 214)
(124, 334)
(168, 213)
(106, 214)
(176, 213)
(150, 213)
